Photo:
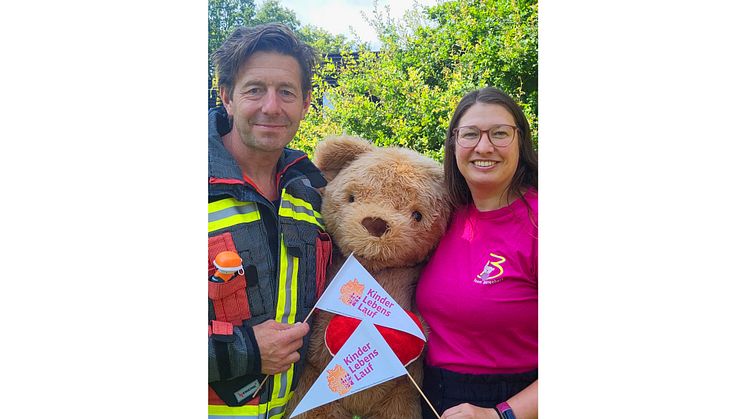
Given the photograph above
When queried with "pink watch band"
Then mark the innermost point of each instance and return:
(504, 410)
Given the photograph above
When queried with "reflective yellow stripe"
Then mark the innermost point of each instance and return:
(277, 378)
(294, 293)
(281, 285)
(231, 221)
(287, 212)
(280, 310)
(300, 203)
(223, 410)
(250, 411)
(284, 402)
(299, 209)
(229, 212)
(286, 311)
(223, 204)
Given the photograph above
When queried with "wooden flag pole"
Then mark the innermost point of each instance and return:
(260, 386)
(309, 314)
(305, 320)
(423, 395)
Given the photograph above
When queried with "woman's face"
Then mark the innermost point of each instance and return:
(488, 169)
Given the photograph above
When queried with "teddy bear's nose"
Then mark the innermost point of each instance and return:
(375, 226)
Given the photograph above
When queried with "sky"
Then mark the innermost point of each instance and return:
(337, 16)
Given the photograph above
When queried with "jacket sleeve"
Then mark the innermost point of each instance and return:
(232, 353)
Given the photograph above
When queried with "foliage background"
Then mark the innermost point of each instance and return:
(403, 94)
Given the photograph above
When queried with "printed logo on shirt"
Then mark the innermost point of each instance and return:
(492, 271)
(338, 380)
(351, 292)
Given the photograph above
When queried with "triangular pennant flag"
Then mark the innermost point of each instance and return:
(364, 361)
(355, 293)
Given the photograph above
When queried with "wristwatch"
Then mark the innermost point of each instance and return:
(504, 411)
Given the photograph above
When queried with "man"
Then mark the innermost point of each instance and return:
(264, 205)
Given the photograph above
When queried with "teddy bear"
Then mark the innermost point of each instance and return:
(388, 206)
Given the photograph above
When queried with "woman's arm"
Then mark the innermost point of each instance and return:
(525, 405)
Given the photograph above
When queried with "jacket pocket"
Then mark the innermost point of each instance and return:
(318, 258)
(323, 260)
(228, 300)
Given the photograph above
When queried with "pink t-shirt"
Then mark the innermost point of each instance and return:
(479, 291)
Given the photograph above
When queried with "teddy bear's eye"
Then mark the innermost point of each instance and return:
(417, 216)
(351, 198)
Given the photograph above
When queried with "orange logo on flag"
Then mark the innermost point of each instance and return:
(338, 380)
(351, 292)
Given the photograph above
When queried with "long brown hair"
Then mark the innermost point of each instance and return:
(527, 172)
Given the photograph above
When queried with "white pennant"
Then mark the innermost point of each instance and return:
(364, 361)
(355, 293)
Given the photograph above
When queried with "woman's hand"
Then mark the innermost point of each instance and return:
(466, 410)
(524, 406)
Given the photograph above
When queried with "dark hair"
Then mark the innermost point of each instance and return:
(527, 172)
(271, 37)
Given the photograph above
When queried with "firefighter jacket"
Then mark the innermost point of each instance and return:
(285, 251)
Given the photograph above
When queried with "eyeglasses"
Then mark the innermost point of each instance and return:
(499, 135)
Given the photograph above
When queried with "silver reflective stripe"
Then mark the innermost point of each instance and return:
(290, 297)
(275, 411)
(283, 385)
(227, 212)
(295, 208)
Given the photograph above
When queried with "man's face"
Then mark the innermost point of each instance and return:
(267, 103)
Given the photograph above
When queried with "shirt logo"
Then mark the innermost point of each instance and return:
(492, 271)
(351, 292)
(338, 380)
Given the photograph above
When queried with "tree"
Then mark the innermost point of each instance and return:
(405, 93)
(324, 42)
(271, 11)
(224, 16)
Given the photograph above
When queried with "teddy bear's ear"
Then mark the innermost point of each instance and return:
(336, 152)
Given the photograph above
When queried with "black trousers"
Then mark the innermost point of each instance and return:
(446, 389)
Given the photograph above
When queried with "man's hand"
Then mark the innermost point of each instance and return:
(279, 344)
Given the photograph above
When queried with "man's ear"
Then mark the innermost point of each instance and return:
(306, 103)
(226, 99)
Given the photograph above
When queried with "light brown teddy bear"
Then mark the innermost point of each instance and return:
(388, 206)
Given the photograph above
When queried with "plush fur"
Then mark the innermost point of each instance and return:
(371, 206)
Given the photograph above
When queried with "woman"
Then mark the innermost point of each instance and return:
(478, 293)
